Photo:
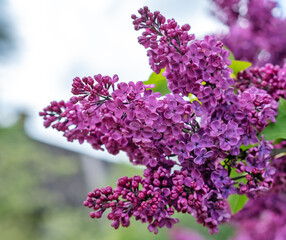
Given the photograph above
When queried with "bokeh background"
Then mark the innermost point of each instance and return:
(44, 44)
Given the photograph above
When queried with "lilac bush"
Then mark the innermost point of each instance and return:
(257, 31)
(191, 150)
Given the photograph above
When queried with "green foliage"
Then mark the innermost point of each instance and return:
(243, 147)
(277, 131)
(236, 202)
(279, 140)
(160, 83)
(238, 66)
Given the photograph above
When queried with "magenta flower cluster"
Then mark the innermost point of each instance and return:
(264, 217)
(270, 78)
(189, 149)
(257, 31)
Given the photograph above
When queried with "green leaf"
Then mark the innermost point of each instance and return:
(238, 66)
(231, 56)
(240, 177)
(243, 147)
(282, 106)
(236, 202)
(160, 83)
(279, 140)
(275, 131)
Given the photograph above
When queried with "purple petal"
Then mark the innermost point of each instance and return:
(195, 138)
(177, 118)
(209, 154)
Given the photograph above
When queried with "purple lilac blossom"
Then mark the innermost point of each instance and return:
(269, 77)
(264, 217)
(155, 130)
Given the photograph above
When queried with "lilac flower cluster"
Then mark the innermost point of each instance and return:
(279, 163)
(256, 33)
(156, 197)
(131, 118)
(262, 218)
(147, 205)
(197, 67)
(228, 120)
(188, 63)
(188, 163)
(270, 78)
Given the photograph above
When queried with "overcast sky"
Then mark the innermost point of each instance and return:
(57, 40)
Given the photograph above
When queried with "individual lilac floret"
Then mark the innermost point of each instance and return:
(218, 128)
(202, 155)
(227, 140)
(220, 178)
